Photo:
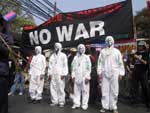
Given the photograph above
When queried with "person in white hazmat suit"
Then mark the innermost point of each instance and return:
(37, 72)
(110, 69)
(81, 69)
(57, 70)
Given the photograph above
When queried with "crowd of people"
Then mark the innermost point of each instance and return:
(84, 77)
(90, 77)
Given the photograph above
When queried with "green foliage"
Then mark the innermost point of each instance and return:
(7, 6)
(22, 19)
(19, 23)
(142, 22)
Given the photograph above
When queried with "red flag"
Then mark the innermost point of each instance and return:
(148, 6)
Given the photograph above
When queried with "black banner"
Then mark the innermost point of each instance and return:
(87, 26)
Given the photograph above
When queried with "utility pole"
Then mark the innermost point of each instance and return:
(55, 7)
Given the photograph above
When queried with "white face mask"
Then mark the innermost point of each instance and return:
(37, 50)
(81, 51)
(57, 47)
(109, 41)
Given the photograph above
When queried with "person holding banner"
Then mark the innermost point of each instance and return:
(6, 40)
(57, 70)
(110, 69)
(81, 69)
(37, 72)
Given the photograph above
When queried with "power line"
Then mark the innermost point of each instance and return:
(28, 11)
(40, 9)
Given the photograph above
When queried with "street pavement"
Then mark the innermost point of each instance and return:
(19, 104)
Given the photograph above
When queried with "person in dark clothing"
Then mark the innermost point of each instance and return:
(94, 81)
(133, 90)
(4, 66)
(140, 72)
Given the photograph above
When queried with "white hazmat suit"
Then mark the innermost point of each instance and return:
(81, 69)
(57, 70)
(110, 67)
(36, 72)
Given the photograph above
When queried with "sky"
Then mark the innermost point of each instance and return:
(77, 5)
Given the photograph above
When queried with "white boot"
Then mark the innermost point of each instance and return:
(84, 107)
(61, 104)
(75, 106)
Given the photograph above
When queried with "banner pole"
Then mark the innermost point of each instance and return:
(133, 23)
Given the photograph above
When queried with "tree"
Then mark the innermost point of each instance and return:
(6, 6)
(19, 23)
(142, 22)
(23, 18)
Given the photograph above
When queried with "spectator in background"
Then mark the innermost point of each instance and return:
(19, 78)
(131, 79)
(11, 73)
(141, 71)
(69, 85)
(70, 57)
(94, 81)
